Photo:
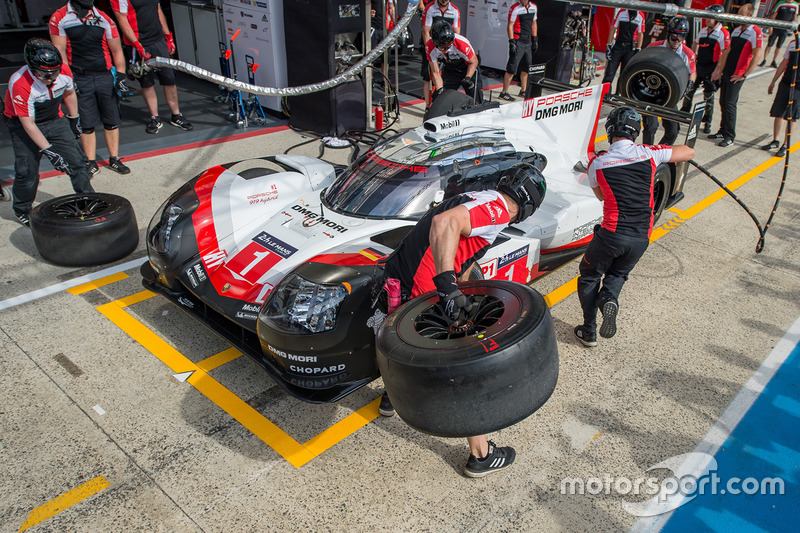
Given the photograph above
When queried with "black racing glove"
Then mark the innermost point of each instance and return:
(534, 44)
(75, 125)
(55, 159)
(121, 87)
(636, 50)
(468, 84)
(512, 48)
(689, 87)
(451, 299)
(436, 93)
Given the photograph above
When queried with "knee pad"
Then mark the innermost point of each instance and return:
(110, 127)
(88, 131)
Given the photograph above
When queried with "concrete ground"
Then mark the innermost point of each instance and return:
(102, 430)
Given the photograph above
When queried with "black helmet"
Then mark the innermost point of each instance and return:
(42, 57)
(715, 8)
(524, 184)
(624, 122)
(678, 26)
(442, 33)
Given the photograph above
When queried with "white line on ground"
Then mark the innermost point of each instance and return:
(730, 418)
(58, 287)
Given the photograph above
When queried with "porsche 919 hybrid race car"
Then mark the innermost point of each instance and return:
(279, 254)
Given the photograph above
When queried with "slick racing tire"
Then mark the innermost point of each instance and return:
(454, 381)
(449, 100)
(656, 75)
(84, 229)
(662, 188)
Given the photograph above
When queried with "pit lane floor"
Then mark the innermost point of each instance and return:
(119, 412)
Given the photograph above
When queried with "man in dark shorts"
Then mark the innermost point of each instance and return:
(523, 41)
(780, 106)
(786, 10)
(433, 11)
(32, 113)
(443, 246)
(89, 42)
(145, 29)
(622, 179)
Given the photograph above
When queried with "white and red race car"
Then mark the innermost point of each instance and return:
(279, 254)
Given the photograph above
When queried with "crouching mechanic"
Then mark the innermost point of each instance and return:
(32, 112)
(443, 246)
(453, 62)
(622, 179)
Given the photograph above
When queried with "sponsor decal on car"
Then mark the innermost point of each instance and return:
(190, 275)
(391, 164)
(253, 308)
(186, 302)
(317, 369)
(213, 259)
(292, 357)
(274, 244)
(557, 104)
(246, 316)
(201, 274)
(313, 219)
(507, 259)
(264, 197)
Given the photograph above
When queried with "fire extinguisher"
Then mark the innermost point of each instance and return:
(379, 117)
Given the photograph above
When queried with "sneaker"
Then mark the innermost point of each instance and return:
(118, 166)
(496, 459)
(154, 125)
(507, 97)
(764, 62)
(609, 325)
(587, 337)
(706, 127)
(725, 143)
(773, 65)
(717, 135)
(92, 167)
(522, 92)
(386, 408)
(782, 151)
(180, 121)
(24, 219)
(771, 146)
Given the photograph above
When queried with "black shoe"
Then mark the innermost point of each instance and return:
(771, 146)
(507, 97)
(782, 151)
(24, 219)
(154, 125)
(609, 326)
(386, 408)
(180, 121)
(773, 65)
(706, 128)
(496, 459)
(717, 135)
(118, 166)
(764, 62)
(725, 143)
(587, 337)
(92, 167)
(522, 93)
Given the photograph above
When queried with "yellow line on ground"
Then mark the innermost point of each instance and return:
(92, 285)
(68, 499)
(571, 286)
(222, 358)
(343, 428)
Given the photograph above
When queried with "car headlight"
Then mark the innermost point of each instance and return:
(160, 233)
(298, 305)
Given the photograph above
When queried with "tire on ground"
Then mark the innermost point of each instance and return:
(487, 379)
(84, 229)
(656, 75)
(662, 188)
(449, 100)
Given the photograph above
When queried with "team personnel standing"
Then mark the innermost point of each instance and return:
(523, 41)
(711, 44)
(677, 30)
(434, 11)
(443, 246)
(145, 29)
(780, 106)
(786, 10)
(32, 112)
(629, 30)
(732, 70)
(89, 42)
(453, 62)
(622, 179)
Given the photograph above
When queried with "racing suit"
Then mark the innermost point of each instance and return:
(629, 27)
(710, 44)
(746, 42)
(430, 14)
(26, 97)
(454, 65)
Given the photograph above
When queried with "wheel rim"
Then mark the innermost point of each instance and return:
(649, 87)
(486, 310)
(80, 208)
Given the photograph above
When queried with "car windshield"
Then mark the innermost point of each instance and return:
(404, 176)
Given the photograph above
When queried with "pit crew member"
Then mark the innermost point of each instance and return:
(523, 41)
(89, 42)
(32, 113)
(786, 10)
(780, 105)
(433, 11)
(622, 179)
(629, 30)
(442, 247)
(453, 62)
